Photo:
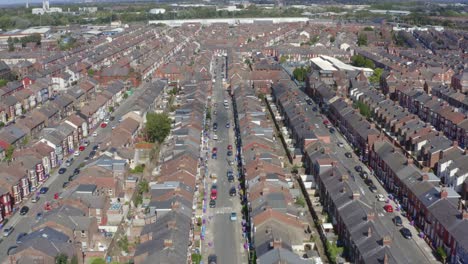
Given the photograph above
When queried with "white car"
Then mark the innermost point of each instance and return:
(94, 134)
(77, 153)
(380, 197)
(215, 137)
(340, 144)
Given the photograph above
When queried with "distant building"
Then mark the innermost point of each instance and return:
(46, 9)
(88, 9)
(156, 11)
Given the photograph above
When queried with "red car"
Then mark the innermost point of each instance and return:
(214, 194)
(81, 148)
(103, 125)
(229, 147)
(325, 122)
(215, 150)
(56, 196)
(388, 208)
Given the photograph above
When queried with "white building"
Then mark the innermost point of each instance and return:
(46, 9)
(156, 11)
(88, 9)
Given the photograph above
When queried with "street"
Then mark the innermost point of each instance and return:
(55, 181)
(416, 250)
(223, 237)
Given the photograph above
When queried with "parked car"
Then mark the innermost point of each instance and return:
(214, 156)
(231, 178)
(340, 144)
(358, 168)
(233, 216)
(348, 155)
(229, 153)
(228, 125)
(229, 147)
(86, 159)
(212, 203)
(212, 259)
(71, 178)
(215, 127)
(332, 130)
(388, 208)
(215, 137)
(62, 170)
(406, 233)
(7, 231)
(38, 216)
(214, 150)
(232, 191)
(314, 109)
(103, 125)
(35, 199)
(380, 197)
(214, 194)
(363, 174)
(24, 210)
(95, 147)
(77, 153)
(81, 148)
(65, 184)
(92, 154)
(397, 220)
(368, 182)
(43, 190)
(95, 134)
(69, 162)
(372, 188)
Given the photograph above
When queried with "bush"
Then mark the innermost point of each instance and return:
(138, 168)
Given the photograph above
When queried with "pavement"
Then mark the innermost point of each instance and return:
(223, 236)
(416, 249)
(55, 181)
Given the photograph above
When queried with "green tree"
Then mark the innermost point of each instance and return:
(375, 78)
(111, 109)
(360, 61)
(98, 261)
(3, 82)
(364, 109)
(333, 251)
(11, 44)
(61, 259)
(300, 74)
(9, 153)
(123, 243)
(143, 186)
(441, 254)
(158, 127)
(283, 59)
(125, 95)
(91, 72)
(196, 258)
(362, 39)
(2, 124)
(300, 201)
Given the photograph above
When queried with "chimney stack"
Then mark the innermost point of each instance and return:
(455, 143)
(369, 232)
(370, 216)
(168, 243)
(443, 193)
(356, 196)
(386, 241)
(425, 177)
(276, 243)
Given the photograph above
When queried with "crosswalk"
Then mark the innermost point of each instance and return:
(221, 210)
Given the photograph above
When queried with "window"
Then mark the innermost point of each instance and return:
(98, 211)
(99, 219)
(110, 192)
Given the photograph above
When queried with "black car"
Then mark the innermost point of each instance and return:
(65, 184)
(24, 210)
(406, 233)
(92, 154)
(215, 126)
(314, 109)
(214, 186)
(76, 171)
(332, 130)
(397, 220)
(309, 102)
(372, 188)
(358, 168)
(95, 147)
(364, 174)
(20, 237)
(368, 182)
(71, 178)
(348, 155)
(212, 203)
(229, 153)
(43, 190)
(86, 159)
(212, 259)
(62, 170)
(232, 191)
(230, 178)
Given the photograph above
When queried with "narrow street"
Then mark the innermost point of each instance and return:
(223, 235)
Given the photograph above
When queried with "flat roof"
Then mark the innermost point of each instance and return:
(323, 64)
(40, 30)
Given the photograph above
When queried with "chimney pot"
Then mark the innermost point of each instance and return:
(386, 241)
(370, 216)
(167, 243)
(443, 193)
